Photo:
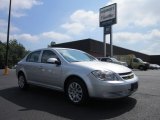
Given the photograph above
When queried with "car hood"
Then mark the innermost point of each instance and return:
(103, 66)
(122, 62)
(145, 62)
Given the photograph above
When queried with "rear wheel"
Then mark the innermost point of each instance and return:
(22, 82)
(141, 67)
(76, 91)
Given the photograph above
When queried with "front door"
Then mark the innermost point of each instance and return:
(135, 63)
(50, 73)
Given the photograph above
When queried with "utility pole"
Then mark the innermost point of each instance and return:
(7, 47)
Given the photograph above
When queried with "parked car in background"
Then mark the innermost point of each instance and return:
(154, 66)
(133, 62)
(76, 73)
(112, 60)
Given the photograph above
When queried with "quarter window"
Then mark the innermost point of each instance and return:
(106, 59)
(33, 57)
(46, 55)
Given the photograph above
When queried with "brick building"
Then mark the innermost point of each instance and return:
(95, 48)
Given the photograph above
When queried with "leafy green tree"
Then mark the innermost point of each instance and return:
(2, 55)
(16, 52)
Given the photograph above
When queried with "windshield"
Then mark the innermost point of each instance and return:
(75, 55)
(140, 60)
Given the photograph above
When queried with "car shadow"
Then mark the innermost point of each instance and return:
(41, 99)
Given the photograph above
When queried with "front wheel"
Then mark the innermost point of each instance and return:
(76, 91)
(22, 82)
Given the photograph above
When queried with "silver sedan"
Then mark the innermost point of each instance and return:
(76, 73)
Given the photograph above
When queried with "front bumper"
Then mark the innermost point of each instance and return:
(112, 89)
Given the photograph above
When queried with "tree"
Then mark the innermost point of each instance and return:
(2, 54)
(16, 52)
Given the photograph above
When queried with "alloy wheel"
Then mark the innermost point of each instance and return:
(75, 92)
(21, 82)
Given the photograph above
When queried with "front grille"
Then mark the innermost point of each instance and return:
(127, 75)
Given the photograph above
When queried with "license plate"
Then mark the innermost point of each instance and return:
(134, 86)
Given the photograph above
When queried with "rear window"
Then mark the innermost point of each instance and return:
(33, 57)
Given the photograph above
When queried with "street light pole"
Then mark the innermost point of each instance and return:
(7, 47)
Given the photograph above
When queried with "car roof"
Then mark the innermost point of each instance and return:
(53, 48)
(103, 57)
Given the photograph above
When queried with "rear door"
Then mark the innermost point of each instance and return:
(31, 66)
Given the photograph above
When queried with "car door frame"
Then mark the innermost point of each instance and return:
(50, 74)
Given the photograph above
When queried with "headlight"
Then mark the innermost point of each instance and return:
(106, 75)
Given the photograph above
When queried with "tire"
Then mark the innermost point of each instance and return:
(22, 83)
(145, 68)
(76, 91)
(141, 67)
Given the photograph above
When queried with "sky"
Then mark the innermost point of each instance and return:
(35, 23)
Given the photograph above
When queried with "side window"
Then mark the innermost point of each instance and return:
(135, 60)
(46, 55)
(33, 57)
(103, 59)
(108, 60)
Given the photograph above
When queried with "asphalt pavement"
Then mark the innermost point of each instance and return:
(44, 104)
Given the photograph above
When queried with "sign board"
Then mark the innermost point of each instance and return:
(107, 29)
(108, 15)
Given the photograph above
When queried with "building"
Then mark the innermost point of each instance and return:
(95, 48)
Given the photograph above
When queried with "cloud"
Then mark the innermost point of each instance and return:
(81, 21)
(139, 13)
(147, 42)
(3, 29)
(3, 23)
(73, 28)
(20, 37)
(152, 49)
(130, 37)
(18, 6)
(3, 37)
(26, 37)
(54, 36)
(134, 37)
(4, 26)
(155, 33)
(57, 37)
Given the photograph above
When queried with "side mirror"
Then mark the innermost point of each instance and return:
(53, 61)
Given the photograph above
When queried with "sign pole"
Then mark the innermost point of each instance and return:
(104, 41)
(111, 46)
(108, 17)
